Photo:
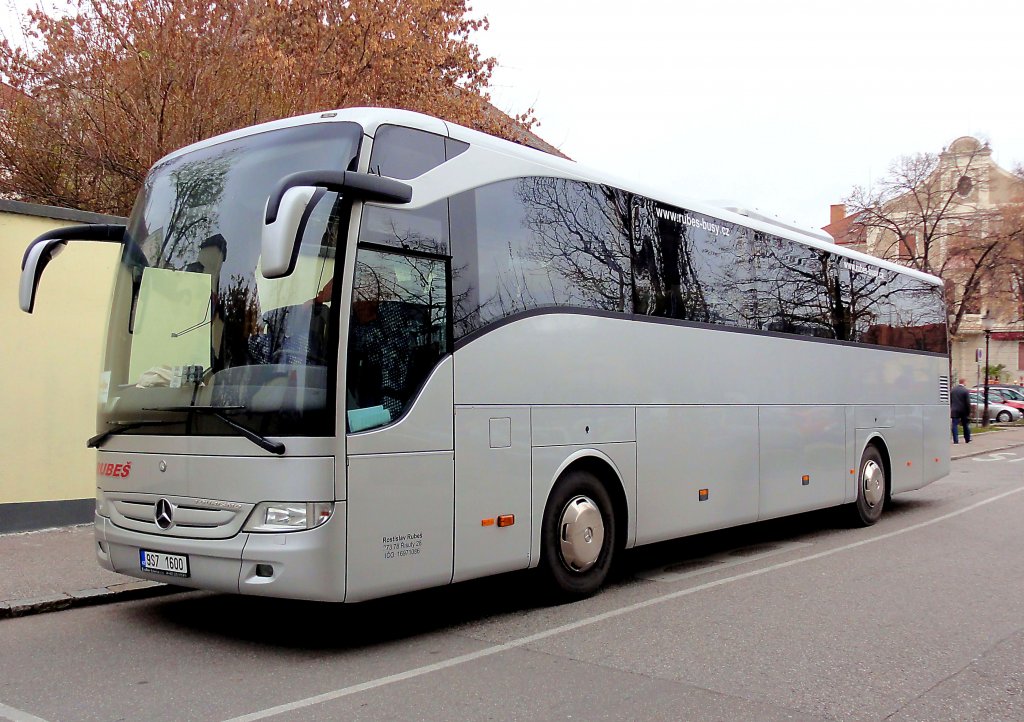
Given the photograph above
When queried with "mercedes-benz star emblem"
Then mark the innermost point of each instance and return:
(164, 514)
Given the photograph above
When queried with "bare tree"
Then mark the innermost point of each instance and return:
(1010, 300)
(926, 213)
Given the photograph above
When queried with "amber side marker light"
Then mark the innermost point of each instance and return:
(805, 479)
(506, 520)
(487, 522)
(702, 494)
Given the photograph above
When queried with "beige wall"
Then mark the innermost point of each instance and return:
(999, 352)
(51, 365)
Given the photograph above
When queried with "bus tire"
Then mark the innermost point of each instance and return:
(872, 488)
(578, 538)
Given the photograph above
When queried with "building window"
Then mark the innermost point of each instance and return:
(908, 246)
(964, 186)
(970, 298)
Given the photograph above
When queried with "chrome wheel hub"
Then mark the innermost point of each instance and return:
(581, 531)
(873, 480)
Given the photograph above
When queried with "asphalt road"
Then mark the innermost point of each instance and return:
(920, 617)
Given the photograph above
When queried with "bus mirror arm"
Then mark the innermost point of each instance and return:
(364, 186)
(293, 199)
(46, 247)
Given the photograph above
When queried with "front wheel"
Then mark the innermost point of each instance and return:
(1004, 416)
(871, 489)
(577, 536)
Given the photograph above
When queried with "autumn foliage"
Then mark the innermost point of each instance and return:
(102, 94)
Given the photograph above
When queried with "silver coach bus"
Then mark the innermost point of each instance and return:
(363, 352)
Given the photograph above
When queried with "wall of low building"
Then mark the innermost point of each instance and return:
(1005, 351)
(51, 370)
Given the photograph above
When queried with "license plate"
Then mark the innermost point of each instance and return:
(174, 565)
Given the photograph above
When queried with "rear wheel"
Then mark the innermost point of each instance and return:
(577, 536)
(872, 489)
(1004, 416)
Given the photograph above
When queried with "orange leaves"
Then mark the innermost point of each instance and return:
(123, 82)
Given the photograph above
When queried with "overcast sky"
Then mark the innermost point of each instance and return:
(779, 106)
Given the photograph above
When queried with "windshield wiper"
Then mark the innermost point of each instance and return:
(119, 428)
(274, 447)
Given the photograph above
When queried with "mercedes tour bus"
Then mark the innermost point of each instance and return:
(363, 352)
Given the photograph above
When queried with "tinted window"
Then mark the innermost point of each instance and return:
(397, 333)
(796, 289)
(893, 309)
(454, 147)
(919, 311)
(421, 229)
(405, 152)
(689, 266)
(535, 242)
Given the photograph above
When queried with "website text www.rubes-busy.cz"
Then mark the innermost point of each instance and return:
(694, 221)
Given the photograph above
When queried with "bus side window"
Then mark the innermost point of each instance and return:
(398, 332)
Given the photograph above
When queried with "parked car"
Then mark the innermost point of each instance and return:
(1004, 395)
(996, 411)
(1002, 385)
(1015, 392)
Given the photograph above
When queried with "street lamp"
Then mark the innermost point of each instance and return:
(986, 323)
(949, 346)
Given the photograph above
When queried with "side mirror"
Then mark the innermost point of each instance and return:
(294, 194)
(46, 247)
(280, 238)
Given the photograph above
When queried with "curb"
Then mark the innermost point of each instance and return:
(979, 452)
(127, 591)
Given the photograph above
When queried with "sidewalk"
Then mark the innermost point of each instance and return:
(1003, 438)
(55, 569)
(43, 571)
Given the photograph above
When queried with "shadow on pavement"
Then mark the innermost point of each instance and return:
(301, 625)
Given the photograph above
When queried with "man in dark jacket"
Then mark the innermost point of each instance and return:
(960, 410)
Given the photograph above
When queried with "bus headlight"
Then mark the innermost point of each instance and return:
(275, 516)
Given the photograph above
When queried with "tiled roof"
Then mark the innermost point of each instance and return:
(846, 231)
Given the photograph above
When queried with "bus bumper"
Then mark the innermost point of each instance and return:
(296, 565)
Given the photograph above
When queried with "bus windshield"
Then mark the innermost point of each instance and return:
(193, 321)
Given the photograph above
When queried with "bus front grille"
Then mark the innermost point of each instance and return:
(195, 518)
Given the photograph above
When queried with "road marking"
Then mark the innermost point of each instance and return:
(16, 715)
(1008, 456)
(572, 626)
(679, 571)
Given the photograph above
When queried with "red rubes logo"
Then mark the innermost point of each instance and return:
(121, 470)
